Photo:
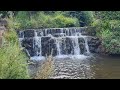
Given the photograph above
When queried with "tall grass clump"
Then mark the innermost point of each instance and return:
(46, 69)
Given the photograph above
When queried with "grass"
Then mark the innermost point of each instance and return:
(46, 70)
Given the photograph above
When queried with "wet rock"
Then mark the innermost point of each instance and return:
(29, 33)
(28, 44)
(94, 44)
(48, 46)
(82, 48)
(40, 32)
(69, 46)
(81, 40)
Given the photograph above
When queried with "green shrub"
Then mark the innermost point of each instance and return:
(108, 15)
(13, 62)
(87, 17)
(22, 18)
(112, 45)
(45, 21)
(41, 20)
(63, 21)
(109, 32)
(13, 23)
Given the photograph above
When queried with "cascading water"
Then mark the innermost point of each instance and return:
(37, 45)
(58, 46)
(76, 46)
(86, 45)
(56, 41)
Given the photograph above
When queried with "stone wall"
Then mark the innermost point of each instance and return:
(66, 44)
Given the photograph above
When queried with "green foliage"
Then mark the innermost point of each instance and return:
(22, 18)
(108, 29)
(4, 14)
(42, 20)
(85, 17)
(13, 63)
(63, 21)
(111, 42)
(108, 15)
(12, 23)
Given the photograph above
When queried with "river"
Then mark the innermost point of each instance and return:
(95, 67)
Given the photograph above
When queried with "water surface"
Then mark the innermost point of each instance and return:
(95, 67)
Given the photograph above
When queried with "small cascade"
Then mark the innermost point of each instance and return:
(76, 46)
(58, 46)
(55, 41)
(86, 45)
(37, 44)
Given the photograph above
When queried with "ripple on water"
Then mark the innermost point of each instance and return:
(71, 69)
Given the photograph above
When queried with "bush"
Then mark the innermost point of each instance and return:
(13, 23)
(45, 21)
(13, 62)
(109, 32)
(112, 45)
(42, 20)
(22, 18)
(108, 15)
(85, 17)
(63, 21)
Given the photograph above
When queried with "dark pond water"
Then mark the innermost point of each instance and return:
(95, 67)
(106, 67)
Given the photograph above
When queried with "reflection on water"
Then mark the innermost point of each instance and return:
(99, 67)
(106, 67)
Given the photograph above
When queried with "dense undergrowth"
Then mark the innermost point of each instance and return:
(41, 20)
(107, 25)
(13, 62)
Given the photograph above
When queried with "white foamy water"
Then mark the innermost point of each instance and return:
(36, 58)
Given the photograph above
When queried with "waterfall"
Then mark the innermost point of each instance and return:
(86, 45)
(58, 47)
(55, 41)
(76, 46)
(37, 45)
